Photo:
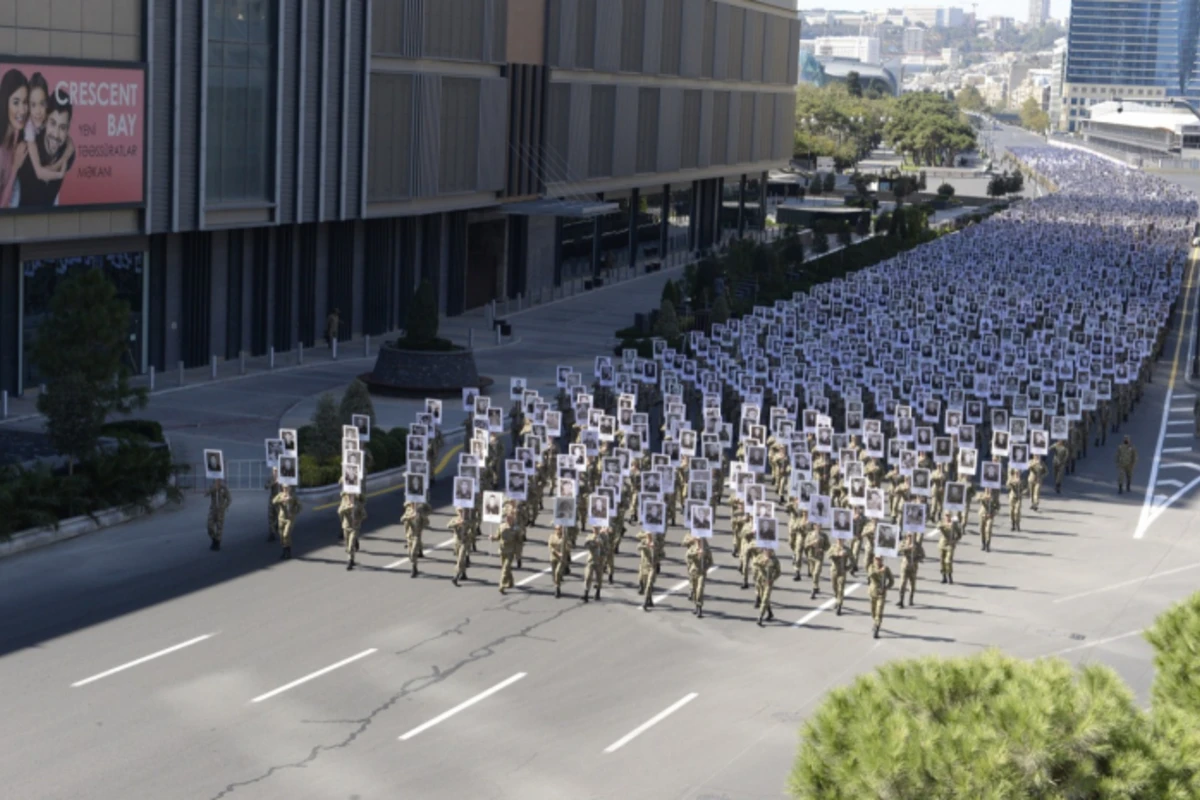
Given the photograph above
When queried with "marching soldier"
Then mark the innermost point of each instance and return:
(647, 568)
(559, 545)
(797, 525)
(507, 535)
(766, 572)
(272, 486)
(1126, 460)
(816, 544)
(950, 532)
(288, 508)
(1014, 499)
(461, 527)
(352, 512)
(218, 503)
(1061, 456)
(912, 553)
(699, 562)
(596, 546)
(1037, 471)
(414, 525)
(989, 505)
(839, 565)
(879, 580)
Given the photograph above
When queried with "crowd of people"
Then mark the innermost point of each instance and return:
(866, 415)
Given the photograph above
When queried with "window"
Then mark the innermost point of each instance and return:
(603, 122)
(633, 34)
(585, 35)
(672, 37)
(720, 131)
(558, 131)
(240, 120)
(454, 30)
(459, 164)
(647, 142)
(689, 155)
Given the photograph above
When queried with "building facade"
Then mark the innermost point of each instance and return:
(914, 40)
(240, 168)
(1144, 51)
(853, 48)
(1039, 13)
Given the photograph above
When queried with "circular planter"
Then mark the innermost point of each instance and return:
(422, 372)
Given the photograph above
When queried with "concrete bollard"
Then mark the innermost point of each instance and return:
(497, 329)
(212, 361)
(520, 301)
(300, 353)
(470, 338)
(152, 377)
(367, 346)
(271, 357)
(181, 373)
(333, 348)
(241, 362)
(4, 404)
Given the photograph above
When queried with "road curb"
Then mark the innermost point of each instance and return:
(36, 538)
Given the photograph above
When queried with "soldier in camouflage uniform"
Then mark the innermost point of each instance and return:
(1126, 461)
(596, 546)
(839, 565)
(461, 527)
(219, 501)
(699, 562)
(989, 505)
(414, 525)
(272, 486)
(816, 544)
(1014, 499)
(912, 553)
(1037, 471)
(647, 568)
(559, 546)
(879, 580)
(951, 532)
(1061, 457)
(766, 572)
(508, 534)
(288, 508)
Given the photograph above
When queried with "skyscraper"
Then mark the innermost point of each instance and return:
(1039, 12)
(1136, 49)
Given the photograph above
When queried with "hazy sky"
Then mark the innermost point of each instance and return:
(1018, 9)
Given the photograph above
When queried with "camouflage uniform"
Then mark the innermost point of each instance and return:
(219, 501)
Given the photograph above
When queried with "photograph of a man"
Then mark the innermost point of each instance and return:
(38, 186)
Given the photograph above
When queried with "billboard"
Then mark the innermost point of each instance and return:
(72, 135)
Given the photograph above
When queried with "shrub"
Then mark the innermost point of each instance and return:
(145, 429)
(945, 191)
(380, 454)
(667, 325)
(1175, 637)
(356, 400)
(422, 325)
(829, 182)
(396, 441)
(327, 429)
(982, 726)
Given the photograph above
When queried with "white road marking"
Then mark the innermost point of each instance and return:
(650, 723)
(1175, 450)
(682, 584)
(404, 560)
(546, 571)
(316, 674)
(1096, 643)
(1151, 511)
(1123, 584)
(1180, 409)
(1180, 435)
(1181, 465)
(1181, 422)
(141, 660)
(463, 706)
(828, 604)
(1170, 482)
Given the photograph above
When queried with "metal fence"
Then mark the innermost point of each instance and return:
(240, 476)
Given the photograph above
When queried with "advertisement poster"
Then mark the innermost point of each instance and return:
(71, 135)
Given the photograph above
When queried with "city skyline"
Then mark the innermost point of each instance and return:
(1059, 9)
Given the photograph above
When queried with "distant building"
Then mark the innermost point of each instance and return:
(951, 57)
(1143, 130)
(1039, 13)
(1058, 66)
(858, 48)
(997, 24)
(914, 40)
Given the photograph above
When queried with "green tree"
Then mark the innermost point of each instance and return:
(969, 99)
(356, 400)
(423, 319)
(80, 352)
(984, 726)
(1175, 697)
(945, 191)
(1032, 116)
(720, 309)
(929, 129)
(854, 84)
(326, 440)
(828, 182)
(667, 324)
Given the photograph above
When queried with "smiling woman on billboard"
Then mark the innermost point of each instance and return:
(72, 136)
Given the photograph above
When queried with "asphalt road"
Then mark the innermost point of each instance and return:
(237, 675)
